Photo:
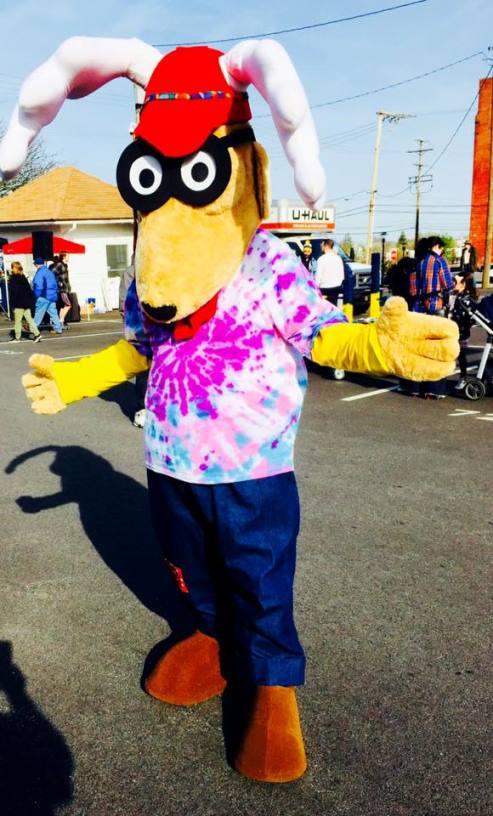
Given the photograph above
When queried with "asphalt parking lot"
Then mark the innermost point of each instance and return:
(392, 607)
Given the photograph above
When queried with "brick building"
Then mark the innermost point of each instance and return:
(481, 170)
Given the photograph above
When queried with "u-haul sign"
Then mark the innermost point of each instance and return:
(287, 216)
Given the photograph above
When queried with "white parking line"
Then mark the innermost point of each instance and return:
(83, 322)
(385, 390)
(369, 394)
(461, 412)
(82, 336)
(56, 359)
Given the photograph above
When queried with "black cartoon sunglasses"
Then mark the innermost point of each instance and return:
(146, 179)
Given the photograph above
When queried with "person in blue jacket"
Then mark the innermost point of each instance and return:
(45, 288)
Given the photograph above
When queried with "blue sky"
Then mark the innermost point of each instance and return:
(334, 62)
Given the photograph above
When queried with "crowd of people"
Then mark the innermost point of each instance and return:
(424, 281)
(328, 269)
(428, 286)
(49, 293)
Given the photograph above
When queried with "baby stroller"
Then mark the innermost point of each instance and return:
(481, 314)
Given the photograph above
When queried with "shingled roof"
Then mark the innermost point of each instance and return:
(64, 194)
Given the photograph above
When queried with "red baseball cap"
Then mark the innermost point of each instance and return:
(186, 99)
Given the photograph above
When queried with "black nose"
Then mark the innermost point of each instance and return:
(159, 314)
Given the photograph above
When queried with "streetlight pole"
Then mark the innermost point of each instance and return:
(382, 116)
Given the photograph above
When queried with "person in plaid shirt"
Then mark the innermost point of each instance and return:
(429, 281)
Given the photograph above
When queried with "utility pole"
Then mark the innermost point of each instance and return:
(489, 223)
(382, 116)
(418, 180)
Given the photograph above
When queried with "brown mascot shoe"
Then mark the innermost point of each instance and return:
(189, 673)
(273, 749)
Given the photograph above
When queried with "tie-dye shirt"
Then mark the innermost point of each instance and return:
(224, 406)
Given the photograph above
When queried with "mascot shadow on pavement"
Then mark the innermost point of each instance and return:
(223, 315)
(36, 764)
(124, 540)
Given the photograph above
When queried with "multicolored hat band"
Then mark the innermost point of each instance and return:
(186, 99)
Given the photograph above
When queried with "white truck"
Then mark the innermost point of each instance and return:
(296, 225)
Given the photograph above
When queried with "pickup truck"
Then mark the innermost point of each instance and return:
(361, 272)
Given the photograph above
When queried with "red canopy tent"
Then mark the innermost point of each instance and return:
(24, 246)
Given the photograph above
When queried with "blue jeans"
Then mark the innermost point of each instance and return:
(42, 306)
(232, 549)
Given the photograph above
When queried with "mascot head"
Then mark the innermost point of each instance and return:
(194, 174)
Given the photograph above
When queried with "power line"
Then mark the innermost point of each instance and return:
(349, 196)
(391, 228)
(326, 145)
(385, 87)
(408, 211)
(292, 30)
(396, 84)
(398, 228)
(393, 207)
(330, 142)
(116, 97)
(394, 195)
(436, 112)
(454, 134)
(442, 204)
(347, 134)
(353, 211)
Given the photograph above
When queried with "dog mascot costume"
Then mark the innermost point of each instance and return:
(222, 313)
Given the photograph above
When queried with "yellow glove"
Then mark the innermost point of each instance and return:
(54, 385)
(410, 345)
(41, 388)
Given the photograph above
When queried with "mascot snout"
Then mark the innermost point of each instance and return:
(159, 314)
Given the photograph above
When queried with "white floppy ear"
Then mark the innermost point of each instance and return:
(80, 66)
(266, 65)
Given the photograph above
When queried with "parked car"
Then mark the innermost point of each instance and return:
(361, 273)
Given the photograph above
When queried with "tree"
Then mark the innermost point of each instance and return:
(360, 253)
(347, 244)
(37, 163)
(402, 242)
(449, 249)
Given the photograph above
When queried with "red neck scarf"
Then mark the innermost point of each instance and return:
(188, 327)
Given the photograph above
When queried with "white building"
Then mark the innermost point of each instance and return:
(81, 208)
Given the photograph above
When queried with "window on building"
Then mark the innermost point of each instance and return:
(116, 259)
